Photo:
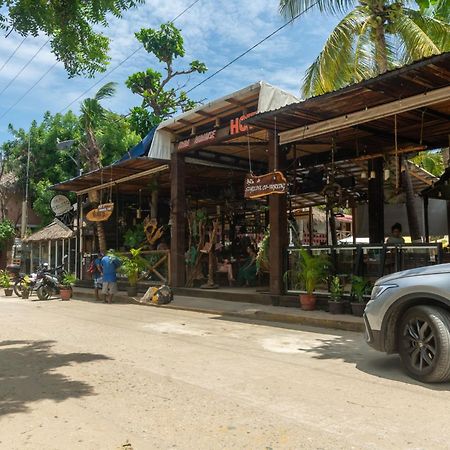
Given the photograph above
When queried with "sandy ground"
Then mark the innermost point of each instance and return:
(79, 375)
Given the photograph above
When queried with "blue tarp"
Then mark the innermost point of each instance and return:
(140, 149)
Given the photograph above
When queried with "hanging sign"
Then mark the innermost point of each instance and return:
(101, 213)
(60, 205)
(270, 183)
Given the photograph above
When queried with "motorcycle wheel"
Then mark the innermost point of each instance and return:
(43, 292)
(18, 287)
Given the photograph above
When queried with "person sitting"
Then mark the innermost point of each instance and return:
(396, 235)
(247, 273)
(224, 266)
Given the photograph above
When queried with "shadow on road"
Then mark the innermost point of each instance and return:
(351, 348)
(27, 374)
(354, 350)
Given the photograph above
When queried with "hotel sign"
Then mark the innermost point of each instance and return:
(217, 135)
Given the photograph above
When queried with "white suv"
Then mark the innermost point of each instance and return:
(409, 314)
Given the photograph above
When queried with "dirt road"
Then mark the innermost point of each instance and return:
(79, 375)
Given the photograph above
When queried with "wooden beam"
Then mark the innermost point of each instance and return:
(178, 220)
(366, 115)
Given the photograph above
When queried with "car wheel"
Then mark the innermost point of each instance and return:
(424, 343)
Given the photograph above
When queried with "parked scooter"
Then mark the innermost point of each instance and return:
(35, 280)
(51, 282)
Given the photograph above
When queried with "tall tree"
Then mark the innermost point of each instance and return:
(73, 27)
(93, 116)
(372, 37)
(160, 97)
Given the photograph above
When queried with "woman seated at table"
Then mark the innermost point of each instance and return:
(247, 273)
(224, 265)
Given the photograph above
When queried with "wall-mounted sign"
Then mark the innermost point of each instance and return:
(101, 213)
(217, 135)
(236, 125)
(198, 141)
(270, 183)
(60, 205)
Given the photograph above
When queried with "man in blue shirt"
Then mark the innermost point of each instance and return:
(109, 263)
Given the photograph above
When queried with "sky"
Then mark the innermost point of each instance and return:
(215, 32)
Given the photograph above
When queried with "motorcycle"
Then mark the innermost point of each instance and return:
(34, 280)
(51, 282)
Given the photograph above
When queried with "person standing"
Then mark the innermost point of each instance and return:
(96, 270)
(396, 237)
(109, 264)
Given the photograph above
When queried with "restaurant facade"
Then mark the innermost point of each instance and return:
(246, 170)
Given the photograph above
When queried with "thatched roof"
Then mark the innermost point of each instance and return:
(53, 232)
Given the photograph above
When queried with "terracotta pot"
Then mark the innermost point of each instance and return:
(8, 292)
(308, 302)
(65, 293)
(132, 291)
(336, 307)
(358, 309)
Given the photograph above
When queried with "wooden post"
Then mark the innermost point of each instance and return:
(278, 223)
(178, 219)
(426, 219)
(376, 202)
(354, 224)
(311, 225)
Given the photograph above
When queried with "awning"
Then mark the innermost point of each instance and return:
(140, 149)
(54, 232)
(127, 174)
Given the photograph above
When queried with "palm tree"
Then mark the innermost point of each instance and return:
(374, 36)
(93, 115)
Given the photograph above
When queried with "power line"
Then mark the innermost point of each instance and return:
(13, 53)
(252, 47)
(24, 67)
(123, 61)
(29, 90)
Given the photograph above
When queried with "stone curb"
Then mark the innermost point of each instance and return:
(265, 316)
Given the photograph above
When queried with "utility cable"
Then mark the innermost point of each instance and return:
(13, 53)
(24, 67)
(123, 61)
(29, 90)
(252, 47)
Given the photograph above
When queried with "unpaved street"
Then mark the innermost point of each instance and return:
(79, 375)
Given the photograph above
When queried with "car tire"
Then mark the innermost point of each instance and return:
(424, 343)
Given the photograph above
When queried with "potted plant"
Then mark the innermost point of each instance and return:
(5, 283)
(132, 266)
(65, 289)
(336, 305)
(360, 288)
(310, 271)
(25, 287)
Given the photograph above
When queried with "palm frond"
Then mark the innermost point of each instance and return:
(333, 68)
(413, 33)
(438, 30)
(106, 91)
(292, 8)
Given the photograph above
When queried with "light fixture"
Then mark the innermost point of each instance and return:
(363, 175)
(387, 174)
(139, 210)
(373, 175)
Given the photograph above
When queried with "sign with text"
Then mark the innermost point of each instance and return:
(236, 125)
(267, 184)
(100, 214)
(198, 141)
